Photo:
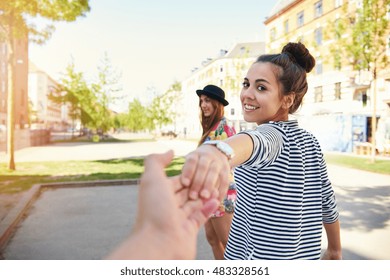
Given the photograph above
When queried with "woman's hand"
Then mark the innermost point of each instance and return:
(206, 173)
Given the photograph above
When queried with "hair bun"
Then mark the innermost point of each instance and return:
(301, 55)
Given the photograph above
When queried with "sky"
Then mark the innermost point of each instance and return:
(150, 43)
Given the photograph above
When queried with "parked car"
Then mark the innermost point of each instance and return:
(169, 133)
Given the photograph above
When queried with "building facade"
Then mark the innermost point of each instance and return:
(45, 113)
(20, 72)
(339, 100)
(20, 93)
(227, 71)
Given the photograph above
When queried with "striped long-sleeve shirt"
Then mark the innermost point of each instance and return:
(284, 196)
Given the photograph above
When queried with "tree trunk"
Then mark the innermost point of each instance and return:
(10, 99)
(373, 120)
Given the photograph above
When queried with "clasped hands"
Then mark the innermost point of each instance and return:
(206, 173)
(171, 210)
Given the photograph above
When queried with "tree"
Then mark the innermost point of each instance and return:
(15, 18)
(105, 90)
(162, 111)
(74, 91)
(171, 100)
(365, 47)
(120, 121)
(137, 117)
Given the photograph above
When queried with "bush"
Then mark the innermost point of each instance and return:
(95, 138)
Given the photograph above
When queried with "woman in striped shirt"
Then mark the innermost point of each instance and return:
(284, 194)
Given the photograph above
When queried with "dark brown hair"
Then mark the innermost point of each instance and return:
(294, 62)
(209, 122)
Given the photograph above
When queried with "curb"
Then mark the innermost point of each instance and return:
(17, 213)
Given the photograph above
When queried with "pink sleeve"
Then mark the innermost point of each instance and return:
(230, 131)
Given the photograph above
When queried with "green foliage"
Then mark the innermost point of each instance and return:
(160, 112)
(95, 138)
(21, 13)
(361, 36)
(89, 103)
(105, 90)
(336, 31)
(137, 117)
(74, 91)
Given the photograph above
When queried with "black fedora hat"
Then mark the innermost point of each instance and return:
(213, 92)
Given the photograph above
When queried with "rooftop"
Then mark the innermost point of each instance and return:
(279, 6)
(248, 49)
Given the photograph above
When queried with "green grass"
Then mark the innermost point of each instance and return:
(361, 163)
(30, 173)
(108, 140)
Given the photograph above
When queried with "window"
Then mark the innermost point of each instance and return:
(221, 83)
(221, 68)
(318, 9)
(318, 66)
(318, 94)
(232, 111)
(337, 91)
(318, 36)
(300, 19)
(361, 96)
(286, 27)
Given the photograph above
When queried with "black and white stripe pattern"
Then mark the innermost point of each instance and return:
(284, 196)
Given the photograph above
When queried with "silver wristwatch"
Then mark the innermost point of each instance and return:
(223, 147)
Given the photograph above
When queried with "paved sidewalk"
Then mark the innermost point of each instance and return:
(364, 206)
(79, 222)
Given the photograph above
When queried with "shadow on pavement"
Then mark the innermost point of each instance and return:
(365, 209)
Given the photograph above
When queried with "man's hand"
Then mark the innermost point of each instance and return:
(168, 221)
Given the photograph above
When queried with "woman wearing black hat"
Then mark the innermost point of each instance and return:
(215, 127)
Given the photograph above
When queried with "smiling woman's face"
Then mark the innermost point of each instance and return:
(206, 105)
(260, 95)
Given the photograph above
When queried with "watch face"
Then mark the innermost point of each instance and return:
(225, 148)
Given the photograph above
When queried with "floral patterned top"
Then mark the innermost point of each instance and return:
(222, 131)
